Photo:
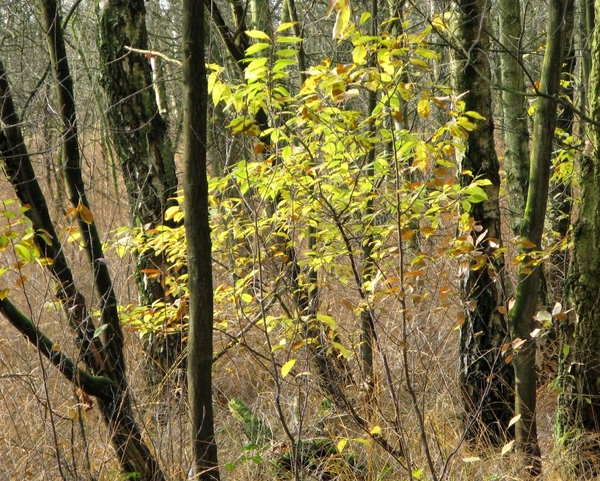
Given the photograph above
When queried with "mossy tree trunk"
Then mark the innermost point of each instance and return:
(579, 369)
(514, 106)
(200, 342)
(486, 379)
(532, 228)
(560, 197)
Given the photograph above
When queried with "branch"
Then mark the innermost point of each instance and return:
(98, 386)
(153, 53)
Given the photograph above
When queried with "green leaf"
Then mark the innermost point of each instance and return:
(247, 298)
(23, 252)
(475, 194)
(285, 39)
(287, 367)
(99, 330)
(365, 17)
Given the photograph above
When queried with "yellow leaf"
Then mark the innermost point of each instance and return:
(341, 445)
(171, 211)
(287, 367)
(375, 431)
(359, 54)
(85, 214)
(285, 26)
(3, 294)
(342, 18)
(257, 34)
(424, 108)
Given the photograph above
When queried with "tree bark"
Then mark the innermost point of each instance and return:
(532, 227)
(516, 128)
(107, 382)
(200, 342)
(485, 378)
(140, 137)
(579, 368)
(561, 195)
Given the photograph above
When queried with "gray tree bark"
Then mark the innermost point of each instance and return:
(516, 128)
(140, 138)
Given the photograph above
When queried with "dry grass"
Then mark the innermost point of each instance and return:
(47, 434)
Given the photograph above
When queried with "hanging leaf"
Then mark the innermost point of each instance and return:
(514, 420)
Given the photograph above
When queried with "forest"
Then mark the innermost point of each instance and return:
(300, 240)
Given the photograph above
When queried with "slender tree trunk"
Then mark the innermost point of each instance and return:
(532, 227)
(579, 369)
(516, 128)
(560, 197)
(200, 342)
(104, 359)
(367, 314)
(485, 378)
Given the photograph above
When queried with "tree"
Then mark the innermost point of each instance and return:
(522, 313)
(579, 369)
(200, 344)
(514, 110)
(105, 376)
(140, 138)
(486, 379)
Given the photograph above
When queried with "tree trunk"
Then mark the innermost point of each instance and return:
(140, 138)
(516, 128)
(532, 227)
(485, 378)
(200, 343)
(579, 369)
(560, 197)
(107, 381)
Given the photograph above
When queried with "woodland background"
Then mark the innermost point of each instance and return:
(255, 239)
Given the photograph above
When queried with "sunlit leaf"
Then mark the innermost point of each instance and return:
(514, 420)
(257, 34)
(85, 214)
(375, 431)
(287, 367)
(507, 447)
